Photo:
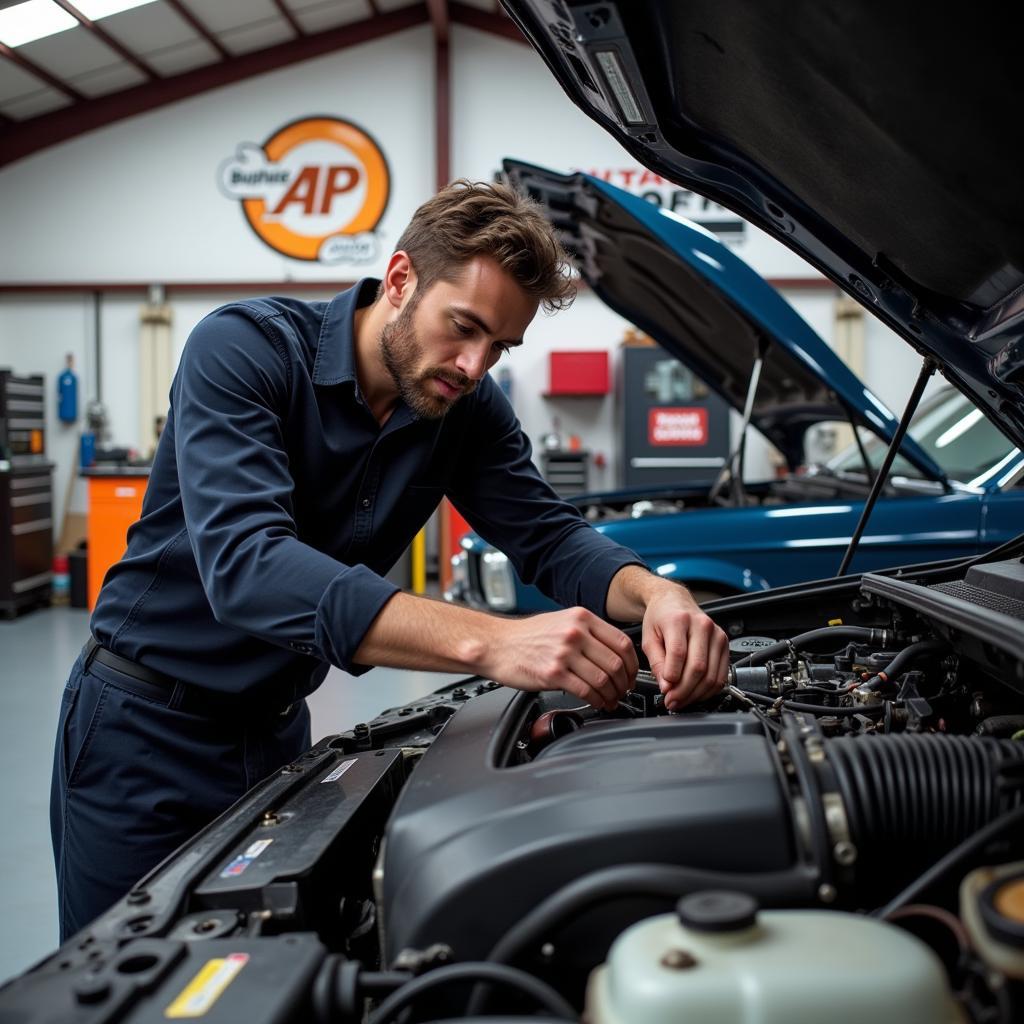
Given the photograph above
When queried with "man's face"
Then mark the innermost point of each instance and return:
(445, 339)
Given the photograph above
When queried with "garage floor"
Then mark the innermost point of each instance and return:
(36, 653)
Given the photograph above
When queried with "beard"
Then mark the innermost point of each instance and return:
(403, 358)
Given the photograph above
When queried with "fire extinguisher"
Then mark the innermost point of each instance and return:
(67, 392)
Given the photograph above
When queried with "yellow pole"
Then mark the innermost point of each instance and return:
(419, 563)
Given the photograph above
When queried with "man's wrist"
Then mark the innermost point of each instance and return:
(633, 588)
(471, 653)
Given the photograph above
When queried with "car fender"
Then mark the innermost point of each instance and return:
(713, 572)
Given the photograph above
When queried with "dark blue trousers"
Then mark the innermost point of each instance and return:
(134, 778)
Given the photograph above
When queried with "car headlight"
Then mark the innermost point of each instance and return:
(460, 577)
(496, 581)
(460, 569)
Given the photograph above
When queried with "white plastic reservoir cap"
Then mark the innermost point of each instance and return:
(721, 961)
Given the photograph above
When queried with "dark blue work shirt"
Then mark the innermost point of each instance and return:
(276, 502)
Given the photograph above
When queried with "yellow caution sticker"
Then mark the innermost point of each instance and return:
(206, 987)
(835, 622)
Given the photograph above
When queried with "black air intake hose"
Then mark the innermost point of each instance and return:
(909, 799)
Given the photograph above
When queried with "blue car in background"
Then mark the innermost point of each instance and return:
(954, 490)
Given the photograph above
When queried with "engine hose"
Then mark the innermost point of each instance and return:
(1001, 725)
(902, 660)
(865, 633)
(342, 985)
(500, 974)
(920, 795)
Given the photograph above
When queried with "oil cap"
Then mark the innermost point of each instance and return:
(717, 910)
(743, 645)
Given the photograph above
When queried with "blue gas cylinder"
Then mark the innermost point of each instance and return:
(67, 395)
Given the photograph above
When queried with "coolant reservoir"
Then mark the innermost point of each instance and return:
(719, 960)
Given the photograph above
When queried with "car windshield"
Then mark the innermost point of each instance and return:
(950, 429)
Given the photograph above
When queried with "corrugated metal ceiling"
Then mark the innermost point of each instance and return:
(98, 72)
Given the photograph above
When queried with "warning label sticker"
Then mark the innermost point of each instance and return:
(245, 858)
(339, 771)
(206, 987)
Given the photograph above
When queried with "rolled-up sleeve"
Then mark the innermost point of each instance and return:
(228, 398)
(505, 499)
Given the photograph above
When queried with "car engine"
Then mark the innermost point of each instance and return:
(839, 834)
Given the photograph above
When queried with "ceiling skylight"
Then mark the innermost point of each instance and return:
(34, 19)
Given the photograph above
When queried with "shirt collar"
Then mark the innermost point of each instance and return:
(335, 349)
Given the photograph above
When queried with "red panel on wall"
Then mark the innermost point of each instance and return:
(578, 373)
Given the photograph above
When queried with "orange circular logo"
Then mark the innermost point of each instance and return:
(315, 190)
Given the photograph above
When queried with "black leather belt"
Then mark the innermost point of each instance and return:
(153, 685)
(93, 651)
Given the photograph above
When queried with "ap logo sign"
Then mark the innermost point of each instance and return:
(315, 190)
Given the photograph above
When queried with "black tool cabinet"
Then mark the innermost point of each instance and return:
(26, 495)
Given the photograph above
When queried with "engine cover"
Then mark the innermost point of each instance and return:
(475, 842)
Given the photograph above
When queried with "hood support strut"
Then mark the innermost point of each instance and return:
(928, 367)
(869, 472)
(733, 468)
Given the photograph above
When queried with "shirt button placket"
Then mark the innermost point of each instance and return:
(364, 513)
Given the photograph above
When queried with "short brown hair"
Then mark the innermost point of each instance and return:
(467, 219)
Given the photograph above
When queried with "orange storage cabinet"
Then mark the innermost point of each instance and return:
(115, 502)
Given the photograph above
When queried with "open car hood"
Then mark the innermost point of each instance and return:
(874, 140)
(709, 309)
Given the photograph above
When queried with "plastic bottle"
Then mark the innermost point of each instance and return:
(61, 589)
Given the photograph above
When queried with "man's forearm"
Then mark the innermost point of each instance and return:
(417, 632)
(571, 650)
(632, 589)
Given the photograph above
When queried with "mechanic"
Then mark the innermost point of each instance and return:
(305, 446)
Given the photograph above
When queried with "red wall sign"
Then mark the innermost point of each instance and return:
(677, 426)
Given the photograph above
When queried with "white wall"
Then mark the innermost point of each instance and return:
(891, 366)
(587, 324)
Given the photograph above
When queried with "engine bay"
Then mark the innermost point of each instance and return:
(849, 810)
(817, 484)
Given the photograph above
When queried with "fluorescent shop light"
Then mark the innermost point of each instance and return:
(34, 19)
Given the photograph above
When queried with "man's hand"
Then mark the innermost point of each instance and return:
(571, 650)
(688, 653)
